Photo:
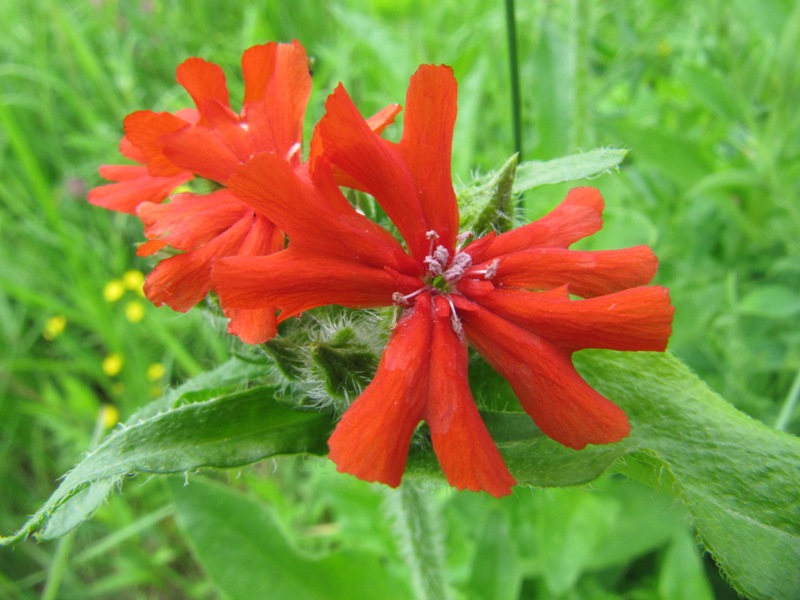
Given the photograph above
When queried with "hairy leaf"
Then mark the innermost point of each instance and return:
(233, 430)
(739, 478)
(569, 168)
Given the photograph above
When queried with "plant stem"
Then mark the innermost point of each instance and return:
(513, 64)
(59, 566)
(419, 538)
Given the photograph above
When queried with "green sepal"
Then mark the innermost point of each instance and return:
(345, 365)
(289, 350)
(489, 205)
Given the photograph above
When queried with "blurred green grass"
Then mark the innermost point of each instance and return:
(704, 95)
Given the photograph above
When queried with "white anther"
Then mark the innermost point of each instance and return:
(399, 299)
(491, 270)
(434, 266)
(431, 235)
(403, 300)
(441, 255)
(461, 238)
(455, 322)
(461, 262)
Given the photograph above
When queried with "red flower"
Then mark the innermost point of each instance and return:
(210, 142)
(507, 295)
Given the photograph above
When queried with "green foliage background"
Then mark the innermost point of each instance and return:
(704, 95)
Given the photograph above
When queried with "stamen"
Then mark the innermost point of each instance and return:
(431, 236)
(402, 300)
(441, 255)
(434, 266)
(399, 299)
(455, 322)
(437, 260)
(491, 270)
(461, 262)
(461, 238)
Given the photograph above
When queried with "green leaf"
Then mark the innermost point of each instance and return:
(569, 168)
(739, 479)
(489, 205)
(533, 458)
(233, 430)
(771, 301)
(239, 543)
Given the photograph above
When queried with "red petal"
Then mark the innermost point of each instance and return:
(146, 130)
(263, 238)
(587, 273)
(190, 220)
(258, 69)
(150, 247)
(560, 402)
(182, 281)
(295, 282)
(256, 326)
(252, 326)
(376, 165)
(377, 122)
(203, 151)
(135, 186)
(130, 151)
(277, 89)
(204, 81)
(372, 439)
(578, 216)
(635, 319)
(315, 217)
(426, 146)
(383, 118)
(466, 452)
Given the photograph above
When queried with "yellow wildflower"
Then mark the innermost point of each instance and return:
(109, 415)
(112, 364)
(155, 372)
(134, 311)
(113, 290)
(54, 327)
(134, 280)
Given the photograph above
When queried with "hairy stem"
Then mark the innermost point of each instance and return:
(416, 528)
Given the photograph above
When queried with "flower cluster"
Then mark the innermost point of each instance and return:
(522, 299)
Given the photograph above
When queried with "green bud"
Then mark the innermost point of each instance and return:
(344, 365)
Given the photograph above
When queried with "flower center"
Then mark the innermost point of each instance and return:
(441, 273)
(441, 269)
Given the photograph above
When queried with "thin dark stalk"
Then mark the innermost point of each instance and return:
(513, 64)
